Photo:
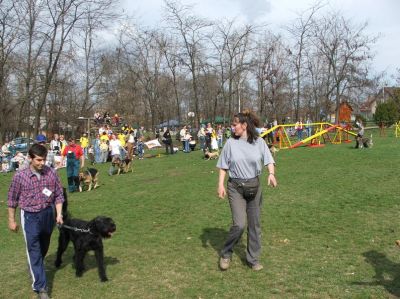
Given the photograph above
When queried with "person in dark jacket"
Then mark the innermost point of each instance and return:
(167, 139)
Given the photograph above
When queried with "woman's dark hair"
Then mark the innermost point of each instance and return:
(252, 121)
(37, 150)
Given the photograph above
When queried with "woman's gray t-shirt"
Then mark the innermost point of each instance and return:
(244, 160)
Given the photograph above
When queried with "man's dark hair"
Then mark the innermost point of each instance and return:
(37, 150)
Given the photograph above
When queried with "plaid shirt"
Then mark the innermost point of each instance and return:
(26, 190)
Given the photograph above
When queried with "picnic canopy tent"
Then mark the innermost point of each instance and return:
(169, 123)
(218, 120)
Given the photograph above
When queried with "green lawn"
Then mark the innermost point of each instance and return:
(328, 230)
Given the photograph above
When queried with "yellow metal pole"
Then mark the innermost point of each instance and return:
(397, 129)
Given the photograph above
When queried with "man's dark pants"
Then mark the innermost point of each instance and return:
(37, 229)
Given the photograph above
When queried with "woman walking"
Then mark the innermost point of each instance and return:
(243, 157)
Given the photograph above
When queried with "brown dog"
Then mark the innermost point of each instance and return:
(126, 165)
(273, 149)
(211, 155)
(88, 178)
(116, 165)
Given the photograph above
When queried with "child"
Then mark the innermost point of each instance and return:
(91, 155)
(103, 151)
(140, 148)
(84, 144)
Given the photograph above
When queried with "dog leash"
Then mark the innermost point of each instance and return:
(76, 229)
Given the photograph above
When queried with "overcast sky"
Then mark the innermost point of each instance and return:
(382, 17)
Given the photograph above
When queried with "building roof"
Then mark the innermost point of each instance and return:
(367, 105)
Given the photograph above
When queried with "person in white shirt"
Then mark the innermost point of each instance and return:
(299, 129)
(202, 137)
(182, 135)
(115, 146)
(186, 140)
(130, 144)
(55, 145)
(308, 126)
(115, 149)
(102, 129)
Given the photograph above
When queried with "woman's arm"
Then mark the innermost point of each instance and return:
(271, 176)
(221, 183)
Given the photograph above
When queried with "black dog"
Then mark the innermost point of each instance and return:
(85, 235)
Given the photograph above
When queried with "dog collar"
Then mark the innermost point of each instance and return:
(76, 229)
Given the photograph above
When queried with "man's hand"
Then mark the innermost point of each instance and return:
(59, 219)
(13, 226)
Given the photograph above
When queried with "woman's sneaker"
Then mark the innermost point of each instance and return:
(257, 267)
(224, 263)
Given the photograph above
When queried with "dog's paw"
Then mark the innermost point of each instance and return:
(79, 273)
(398, 243)
(103, 279)
(57, 263)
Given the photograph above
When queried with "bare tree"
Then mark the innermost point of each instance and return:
(142, 47)
(10, 37)
(300, 32)
(318, 78)
(49, 28)
(232, 48)
(271, 70)
(191, 30)
(169, 48)
(346, 49)
(98, 15)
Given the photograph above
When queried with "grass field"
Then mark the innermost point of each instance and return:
(328, 230)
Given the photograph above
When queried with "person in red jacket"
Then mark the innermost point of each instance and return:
(75, 160)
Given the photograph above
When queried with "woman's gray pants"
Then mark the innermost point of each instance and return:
(240, 208)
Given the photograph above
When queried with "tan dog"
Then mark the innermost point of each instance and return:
(211, 155)
(88, 178)
(273, 149)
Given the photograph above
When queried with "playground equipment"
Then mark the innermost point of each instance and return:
(319, 138)
(343, 134)
(397, 129)
(320, 133)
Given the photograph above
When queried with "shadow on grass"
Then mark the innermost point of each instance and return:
(90, 263)
(215, 237)
(384, 268)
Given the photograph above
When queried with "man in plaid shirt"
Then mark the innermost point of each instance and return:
(38, 192)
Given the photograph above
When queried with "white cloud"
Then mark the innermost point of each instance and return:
(255, 9)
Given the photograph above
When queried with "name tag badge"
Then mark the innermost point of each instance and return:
(47, 192)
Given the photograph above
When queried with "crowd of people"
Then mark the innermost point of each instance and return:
(115, 139)
(11, 159)
(207, 137)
